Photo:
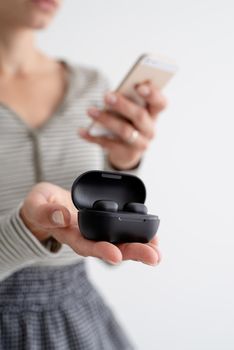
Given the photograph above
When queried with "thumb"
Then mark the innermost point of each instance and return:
(52, 215)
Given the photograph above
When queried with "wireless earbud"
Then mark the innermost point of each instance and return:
(105, 205)
(138, 208)
(108, 205)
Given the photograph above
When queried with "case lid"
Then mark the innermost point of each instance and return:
(100, 185)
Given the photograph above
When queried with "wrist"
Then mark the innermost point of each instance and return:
(124, 166)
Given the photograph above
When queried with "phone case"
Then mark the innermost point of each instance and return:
(155, 68)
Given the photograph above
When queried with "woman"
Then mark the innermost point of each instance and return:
(46, 300)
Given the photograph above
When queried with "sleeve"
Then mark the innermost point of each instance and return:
(18, 246)
(108, 167)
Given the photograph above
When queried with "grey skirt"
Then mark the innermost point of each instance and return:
(56, 308)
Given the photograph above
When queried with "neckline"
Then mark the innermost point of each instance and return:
(61, 107)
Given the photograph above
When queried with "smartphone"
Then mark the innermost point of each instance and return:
(155, 68)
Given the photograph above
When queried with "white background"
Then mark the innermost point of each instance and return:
(186, 302)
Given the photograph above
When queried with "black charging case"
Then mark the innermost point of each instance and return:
(114, 227)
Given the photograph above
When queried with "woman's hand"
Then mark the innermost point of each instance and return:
(133, 131)
(48, 211)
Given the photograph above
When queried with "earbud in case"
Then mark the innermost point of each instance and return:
(111, 207)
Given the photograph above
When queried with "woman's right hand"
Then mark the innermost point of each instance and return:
(48, 211)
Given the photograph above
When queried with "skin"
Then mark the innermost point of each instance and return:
(25, 74)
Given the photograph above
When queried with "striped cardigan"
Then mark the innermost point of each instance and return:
(52, 153)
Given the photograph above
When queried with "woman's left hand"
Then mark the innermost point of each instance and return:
(48, 211)
(133, 131)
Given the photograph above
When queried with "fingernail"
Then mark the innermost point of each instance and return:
(111, 262)
(143, 90)
(154, 264)
(58, 218)
(111, 98)
(93, 112)
(82, 131)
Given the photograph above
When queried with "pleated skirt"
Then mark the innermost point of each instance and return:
(56, 308)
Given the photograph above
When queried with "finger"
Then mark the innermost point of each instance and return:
(45, 214)
(117, 125)
(103, 141)
(107, 251)
(134, 113)
(155, 100)
(103, 250)
(51, 215)
(141, 144)
(74, 218)
(140, 252)
(154, 242)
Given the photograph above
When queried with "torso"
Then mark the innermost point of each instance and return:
(54, 148)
